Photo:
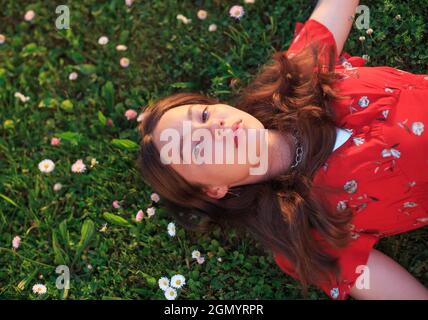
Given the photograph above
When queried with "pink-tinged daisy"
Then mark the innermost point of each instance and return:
(124, 62)
(39, 289)
(16, 242)
(55, 141)
(200, 260)
(236, 12)
(139, 216)
(131, 114)
(163, 283)
(116, 204)
(72, 76)
(29, 15)
(2, 38)
(202, 14)
(154, 197)
(78, 166)
(129, 2)
(46, 166)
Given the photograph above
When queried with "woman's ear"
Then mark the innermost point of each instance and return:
(216, 192)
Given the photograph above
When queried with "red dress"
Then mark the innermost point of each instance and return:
(382, 169)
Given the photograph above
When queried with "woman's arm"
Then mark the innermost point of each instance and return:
(337, 16)
(389, 281)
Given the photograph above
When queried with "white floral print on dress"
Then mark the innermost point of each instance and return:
(391, 152)
(358, 141)
(334, 293)
(385, 113)
(363, 102)
(417, 128)
(341, 205)
(350, 186)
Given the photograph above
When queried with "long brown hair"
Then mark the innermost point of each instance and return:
(288, 92)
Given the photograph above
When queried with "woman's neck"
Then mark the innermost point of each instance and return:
(281, 154)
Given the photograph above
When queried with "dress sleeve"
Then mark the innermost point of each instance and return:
(350, 258)
(309, 32)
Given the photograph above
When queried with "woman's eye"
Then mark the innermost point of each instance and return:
(205, 114)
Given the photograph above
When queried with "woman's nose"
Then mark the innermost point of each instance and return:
(217, 124)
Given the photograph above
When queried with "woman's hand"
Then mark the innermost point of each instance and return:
(337, 16)
(388, 281)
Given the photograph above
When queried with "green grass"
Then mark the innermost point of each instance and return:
(165, 56)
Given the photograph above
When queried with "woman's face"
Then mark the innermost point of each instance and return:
(178, 130)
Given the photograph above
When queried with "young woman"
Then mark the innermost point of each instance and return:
(347, 161)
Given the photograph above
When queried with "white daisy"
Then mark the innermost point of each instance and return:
(151, 211)
(46, 166)
(177, 281)
(57, 186)
(183, 19)
(103, 40)
(121, 47)
(163, 283)
(195, 254)
(170, 293)
(212, 27)
(39, 289)
(200, 260)
(21, 97)
(171, 229)
(2, 38)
